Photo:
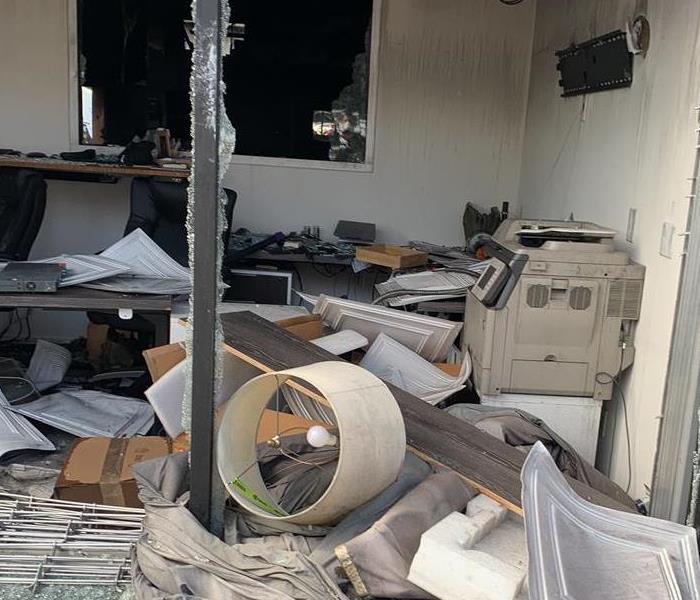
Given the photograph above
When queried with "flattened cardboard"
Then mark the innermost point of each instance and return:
(163, 358)
(307, 328)
(98, 470)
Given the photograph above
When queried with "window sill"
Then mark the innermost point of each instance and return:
(258, 161)
(294, 163)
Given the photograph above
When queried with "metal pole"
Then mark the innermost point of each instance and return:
(206, 112)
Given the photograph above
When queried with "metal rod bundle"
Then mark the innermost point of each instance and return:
(62, 570)
(57, 542)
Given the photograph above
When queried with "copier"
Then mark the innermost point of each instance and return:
(553, 311)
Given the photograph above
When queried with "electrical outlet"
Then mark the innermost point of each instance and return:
(667, 232)
(631, 224)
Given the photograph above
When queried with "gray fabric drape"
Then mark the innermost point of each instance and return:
(260, 560)
(522, 430)
(177, 555)
(379, 559)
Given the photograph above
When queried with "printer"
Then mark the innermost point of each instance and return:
(553, 311)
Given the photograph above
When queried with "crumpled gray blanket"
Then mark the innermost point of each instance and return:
(260, 560)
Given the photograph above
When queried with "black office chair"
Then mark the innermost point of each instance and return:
(22, 206)
(159, 209)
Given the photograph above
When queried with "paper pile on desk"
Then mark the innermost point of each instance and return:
(84, 268)
(151, 270)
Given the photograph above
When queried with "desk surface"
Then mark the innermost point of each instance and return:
(67, 166)
(322, 259)
(77, 298)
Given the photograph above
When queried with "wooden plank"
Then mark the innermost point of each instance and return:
(66, 166)
(77, 298)
(488, 464)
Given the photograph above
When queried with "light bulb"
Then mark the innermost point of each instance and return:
(318, 437)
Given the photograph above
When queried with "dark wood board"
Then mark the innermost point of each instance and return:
(488, 463)
(77, 298)
(67, 166)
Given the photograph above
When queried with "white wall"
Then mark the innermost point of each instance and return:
(601, 155)
(452, 92)
(451, 100)
(80, 217)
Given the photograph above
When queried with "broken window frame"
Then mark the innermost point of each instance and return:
(75, 117)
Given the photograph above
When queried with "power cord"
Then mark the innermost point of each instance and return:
(34, 391)
(608, 379)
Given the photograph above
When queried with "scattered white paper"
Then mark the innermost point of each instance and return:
(306, 407)
(88, 413)
(145, 258)
(342, 342)
(391, 361)
(309, 299)
(151, 269)
(269, 312)
(49, 365)
(166, 395)
(17, 433)
(358, 266)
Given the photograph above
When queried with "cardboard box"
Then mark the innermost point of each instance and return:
(307, 328)
(98, 470)
(394, 257)
(161, 359)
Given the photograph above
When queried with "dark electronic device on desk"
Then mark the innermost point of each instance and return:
(30, 277)
(355, 232)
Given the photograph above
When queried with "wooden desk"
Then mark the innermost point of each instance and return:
(155, 309)
(90, 168)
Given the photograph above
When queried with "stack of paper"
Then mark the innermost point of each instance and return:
(151, 270)
(444, 284)
(84, 268)
(394, 363)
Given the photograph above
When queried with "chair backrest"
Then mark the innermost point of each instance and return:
(22, 206)
(160, 209)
